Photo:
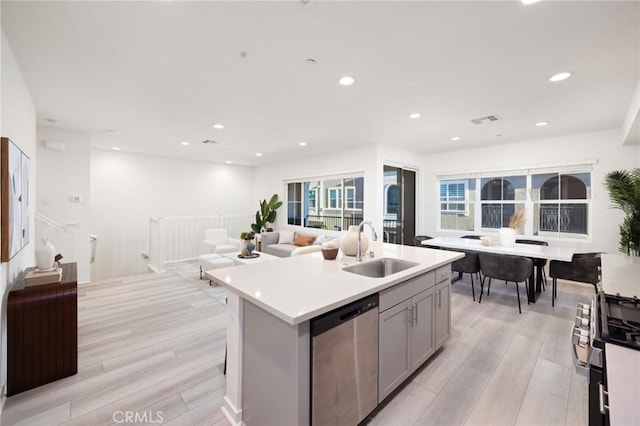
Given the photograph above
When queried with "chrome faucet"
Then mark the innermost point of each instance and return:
(358, 244)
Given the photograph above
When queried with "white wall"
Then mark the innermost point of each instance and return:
(61, 174)
(605, 147)
(18, 123)
(126, 189)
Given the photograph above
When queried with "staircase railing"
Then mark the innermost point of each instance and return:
(179, 238)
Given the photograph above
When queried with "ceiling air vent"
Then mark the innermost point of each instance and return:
(210, 142)
(487, 119)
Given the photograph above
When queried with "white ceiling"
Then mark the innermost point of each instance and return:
(163, 72)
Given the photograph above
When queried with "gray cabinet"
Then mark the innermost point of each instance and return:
(442, 312)
(406, 328)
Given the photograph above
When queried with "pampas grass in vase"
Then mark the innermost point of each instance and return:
(517, 219)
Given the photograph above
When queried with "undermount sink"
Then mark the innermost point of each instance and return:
(380, 268)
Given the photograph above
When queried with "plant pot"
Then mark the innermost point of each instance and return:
(507, 237)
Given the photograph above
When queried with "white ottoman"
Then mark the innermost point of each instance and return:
(213, 261)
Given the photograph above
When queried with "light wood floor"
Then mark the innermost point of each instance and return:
(154, 345)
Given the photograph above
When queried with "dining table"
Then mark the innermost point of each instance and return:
(549, 252)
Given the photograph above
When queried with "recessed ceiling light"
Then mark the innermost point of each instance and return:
(185, 143)
(560, 76)
(542, 123)
(228, 161)
(218, 126)
(415, 115)
(310, 61)
(528, 2)
(455, 138)
(302, 143)
(258, 154)
(115, 148)
(347, 80)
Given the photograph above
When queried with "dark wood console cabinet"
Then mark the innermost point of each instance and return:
(42, 332)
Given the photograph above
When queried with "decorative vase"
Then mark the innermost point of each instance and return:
(45, 253)
(507, 237)
(250, 247)
(349, 241)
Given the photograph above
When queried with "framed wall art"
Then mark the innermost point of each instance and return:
(14, 193)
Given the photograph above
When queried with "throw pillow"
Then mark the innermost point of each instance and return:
(285, 237)
(319, 240)
(304, 240)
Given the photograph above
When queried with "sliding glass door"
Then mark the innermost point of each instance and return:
(399, 195)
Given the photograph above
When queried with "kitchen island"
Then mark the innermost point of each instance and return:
(270, 308)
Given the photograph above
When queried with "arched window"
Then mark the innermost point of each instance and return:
(393, 199)
(559, 216)
(496, 214)
(498, 189)
(563, 187)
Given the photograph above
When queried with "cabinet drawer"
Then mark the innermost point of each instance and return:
(443, 273)
(403, 291)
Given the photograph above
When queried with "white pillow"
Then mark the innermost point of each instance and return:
(285, 237)
(319, 240)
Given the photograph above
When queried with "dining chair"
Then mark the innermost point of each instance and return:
(584, 268)
(504, 267)
(418, 239)
(469, 264)
(539, 264)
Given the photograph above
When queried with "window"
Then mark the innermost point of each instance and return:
(498, 197)
(294, 204)
(453, 196)
(393, 199)
(313, 195)
(561, 203)
(457, 200)
(558, 205)
(329, 203)
(350, 201)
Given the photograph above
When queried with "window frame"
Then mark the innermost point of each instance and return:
(529, 204)
(332, 210)
(449, 202)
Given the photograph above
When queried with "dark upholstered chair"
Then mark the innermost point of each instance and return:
(418, 239)
(469, 264)
(537, 263)
(504, 267)
(584, 268)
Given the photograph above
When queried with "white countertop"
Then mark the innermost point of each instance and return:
(528, 250)
(621, 274)
(299, 288)
(623, 385)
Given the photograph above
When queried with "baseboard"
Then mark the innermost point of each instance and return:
(232, 413)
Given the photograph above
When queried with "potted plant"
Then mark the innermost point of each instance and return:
(249, 245)
(624, 192)
(266, 215)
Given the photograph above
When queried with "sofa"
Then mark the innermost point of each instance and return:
(287, 243)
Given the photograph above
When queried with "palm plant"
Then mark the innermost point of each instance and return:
(624, 192)
(267, 214)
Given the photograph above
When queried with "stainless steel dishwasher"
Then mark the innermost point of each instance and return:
(344, 362)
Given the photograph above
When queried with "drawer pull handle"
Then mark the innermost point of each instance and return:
(603, 407)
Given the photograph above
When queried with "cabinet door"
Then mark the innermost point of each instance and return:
(394, 356)
(443, 312)
(422, 339)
